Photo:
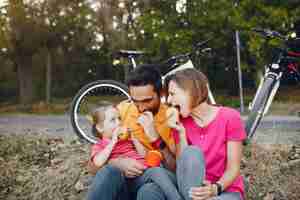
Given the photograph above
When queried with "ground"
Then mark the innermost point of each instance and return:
(48, 162)
(38, 167)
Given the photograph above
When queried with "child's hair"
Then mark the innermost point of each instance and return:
(98, 117)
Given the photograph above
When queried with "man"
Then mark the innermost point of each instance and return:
(145, 116)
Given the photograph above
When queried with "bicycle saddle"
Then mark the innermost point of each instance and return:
(130, 53)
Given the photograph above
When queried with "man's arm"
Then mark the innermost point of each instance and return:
(129, 166)
(147, 122)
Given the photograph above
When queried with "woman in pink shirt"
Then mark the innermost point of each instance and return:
(208, 140)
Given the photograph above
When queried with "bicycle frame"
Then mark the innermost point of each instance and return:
(269, 84)
(188, 64)
(273, 91)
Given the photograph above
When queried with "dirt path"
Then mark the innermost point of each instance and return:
(274, 129)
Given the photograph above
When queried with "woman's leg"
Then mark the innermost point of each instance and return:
(190, 170)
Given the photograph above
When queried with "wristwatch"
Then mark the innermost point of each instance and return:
(219, 188)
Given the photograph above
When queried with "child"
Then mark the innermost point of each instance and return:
(108, 128)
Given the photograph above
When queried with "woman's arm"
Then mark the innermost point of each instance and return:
(234, 156)
(182, 140)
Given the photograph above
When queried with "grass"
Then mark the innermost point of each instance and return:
(37, 167)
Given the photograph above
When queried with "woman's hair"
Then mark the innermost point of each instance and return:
(98, 117)
(193, 82)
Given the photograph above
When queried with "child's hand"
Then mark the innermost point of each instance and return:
(117, 131)
(124, 135)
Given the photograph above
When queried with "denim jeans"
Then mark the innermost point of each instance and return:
(190, 172)
(155, 184)
(163, 178)
(109, 184)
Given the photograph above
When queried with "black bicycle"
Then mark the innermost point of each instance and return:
(284, 62)
(98, 92)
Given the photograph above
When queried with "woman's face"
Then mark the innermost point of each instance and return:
(179, 98)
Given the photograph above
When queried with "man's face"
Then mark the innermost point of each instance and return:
(145, 98)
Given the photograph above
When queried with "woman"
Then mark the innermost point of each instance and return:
(208, 140)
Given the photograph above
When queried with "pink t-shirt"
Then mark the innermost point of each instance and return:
(123, 148)
(212, 140)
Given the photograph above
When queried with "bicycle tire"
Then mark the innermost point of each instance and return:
(89, 97)
(258, 106)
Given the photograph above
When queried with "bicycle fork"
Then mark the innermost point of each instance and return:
(276, 77)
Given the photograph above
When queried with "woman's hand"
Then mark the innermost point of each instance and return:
(172, 117)
(173, 120)
(205, 192)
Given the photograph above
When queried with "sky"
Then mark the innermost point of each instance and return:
(1, 2)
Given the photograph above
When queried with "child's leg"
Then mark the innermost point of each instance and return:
(165, 179)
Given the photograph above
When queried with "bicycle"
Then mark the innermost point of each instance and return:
(283, 62)
(96, 93)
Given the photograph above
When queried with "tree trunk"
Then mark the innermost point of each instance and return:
(25, 80)
(48, 76)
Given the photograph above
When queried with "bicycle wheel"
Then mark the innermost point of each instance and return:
(258, 106)
(90, 97)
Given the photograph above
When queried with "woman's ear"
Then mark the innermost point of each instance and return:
(163, 95)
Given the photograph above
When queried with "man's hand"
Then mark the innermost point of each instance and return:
(146, 120)
(130, 167)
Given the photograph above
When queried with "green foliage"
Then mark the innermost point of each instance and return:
(82, 40)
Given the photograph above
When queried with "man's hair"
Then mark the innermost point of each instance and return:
(145, 75)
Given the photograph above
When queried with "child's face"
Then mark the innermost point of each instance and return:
(111, 121)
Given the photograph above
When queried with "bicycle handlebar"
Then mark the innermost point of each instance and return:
(201, 44)
(186, 55)
(269, 33)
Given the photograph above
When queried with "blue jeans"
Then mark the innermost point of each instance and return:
(155, 184)
(190, 172)
(163, 178)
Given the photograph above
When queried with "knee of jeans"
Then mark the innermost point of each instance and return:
(150, 191)
(191, 153)
(110, 173)
(154, 171)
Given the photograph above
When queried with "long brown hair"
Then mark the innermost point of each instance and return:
(192, 81)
